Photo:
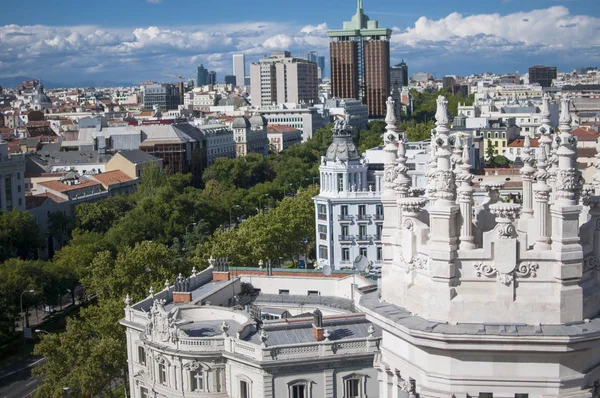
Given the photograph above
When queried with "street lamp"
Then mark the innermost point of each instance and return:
(40, 331)
(67, 391)
(231, 208)
(21, 299)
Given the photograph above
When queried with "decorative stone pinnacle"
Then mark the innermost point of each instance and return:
(194, 272)
(441, 115)
(505, 215)
(565, 114)
(225, 328)
(211, 262)
(390, 117)
(151, 291)
(128, 300)
(167, 284)
(326, 334)
(264, 337)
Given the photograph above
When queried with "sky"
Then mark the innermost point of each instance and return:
(138, 40)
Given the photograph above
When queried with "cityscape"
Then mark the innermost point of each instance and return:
(357, 199)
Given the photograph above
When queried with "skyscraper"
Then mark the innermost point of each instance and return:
(542, 75)
(202, 76)
(321, 65)
(212, 77)
(360, 62)
(282, 78)
(239, 68)
(399, 76)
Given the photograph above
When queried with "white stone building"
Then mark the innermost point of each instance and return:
(299, 116)
(12, 174)
(348, 209)
(477, 302)
(195, 339)
(250, 135)
(219, 142)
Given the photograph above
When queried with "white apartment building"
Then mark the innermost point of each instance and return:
(299, 116)
(219, 142)
(283, 79)
(214, 335)
(348, 209)
(12, 174)
(250, 135)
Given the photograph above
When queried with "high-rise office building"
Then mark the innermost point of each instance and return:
(166, 96)
(282, 78)
(230, 79)
(399, 76)
(321, 65)
(542, 75)
(239, 68)
(202, 76)
(212, 77)
(360, 62)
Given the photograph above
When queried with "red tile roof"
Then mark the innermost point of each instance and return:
(280, 128)
(112, 177)
(585, 134)
(60, 187)
(520, 142)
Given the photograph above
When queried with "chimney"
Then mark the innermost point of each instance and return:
(317, 325)
(181, 293)
(220, 269)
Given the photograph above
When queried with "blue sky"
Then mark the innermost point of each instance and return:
(135, 40)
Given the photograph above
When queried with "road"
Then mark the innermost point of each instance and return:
(16, 380)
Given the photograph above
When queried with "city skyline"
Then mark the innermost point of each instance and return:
(460, 38)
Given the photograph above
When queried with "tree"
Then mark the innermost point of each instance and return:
(490, 151)
(60, 226)
(20, 236)
(99, 216)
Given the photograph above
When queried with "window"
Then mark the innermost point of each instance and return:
(244, 389)
(486, 395)
(323, 252)
(344, 210)
(313, 293)
(362, 210)
(197, 380)
(284, 291)
(345, 230)
(363, 251)
(352, 388)
(379, 212)
(162, 374)
(144, 392)
(521, 395)
(142, 355)
(322, 210)
(322, 232)
(379, 253)
(362, 231)
(298, 391)
(346, 254)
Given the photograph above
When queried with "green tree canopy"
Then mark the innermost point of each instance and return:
(20, 236)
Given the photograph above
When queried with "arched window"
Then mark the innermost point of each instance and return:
(300, 389)
(355, 385)
(244, 387)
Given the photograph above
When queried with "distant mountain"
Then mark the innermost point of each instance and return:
(13, 82)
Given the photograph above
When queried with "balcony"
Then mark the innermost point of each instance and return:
(378, 217)
(377, 238)
(322, 216)
(345, 218)
(363, 238)
(363, 218)
(346, 238)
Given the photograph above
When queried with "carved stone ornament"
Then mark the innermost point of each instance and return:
(412, 205)
(163, 326)
(568, 182)
(505, 214)
(523, 270)
(405, 386)
(445, 185)
(192, 366)
(389, 175)
(417, 263)
(590, 263)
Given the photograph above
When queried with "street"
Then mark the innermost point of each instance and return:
(16, 380)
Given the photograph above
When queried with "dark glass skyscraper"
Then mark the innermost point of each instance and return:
(542, 75)
(399, 76)
(202, 76)
(360, 62)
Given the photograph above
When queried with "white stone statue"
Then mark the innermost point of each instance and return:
(441, 115)
(390, 117)
(565, 115)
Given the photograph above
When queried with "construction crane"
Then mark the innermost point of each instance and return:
(181, 78)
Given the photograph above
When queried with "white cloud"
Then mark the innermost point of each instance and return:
(77, 52)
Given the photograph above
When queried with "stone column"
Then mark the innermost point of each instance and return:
(527, 173)
(542, 196)
(553, 167)
(388, 194)
(465, 201)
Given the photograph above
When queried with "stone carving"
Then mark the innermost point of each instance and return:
(505, 214)
(565, 115)
(192, 366)
(441, 115)
(568, 182)
(412, 206)
(445, 185)
(591, 263)
(163, 326)
(420, 263)
(522, 270)
(128, 301)
(405, 385)
(390, 117)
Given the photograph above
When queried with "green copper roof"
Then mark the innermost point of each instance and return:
(360, 25)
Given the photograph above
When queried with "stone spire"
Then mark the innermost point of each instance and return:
(445, 185)
(390, 140)
(527, 173)
(568, 177)
(545, 129)
(402, 182)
